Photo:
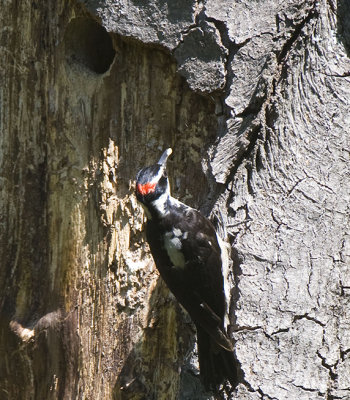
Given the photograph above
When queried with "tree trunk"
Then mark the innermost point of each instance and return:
(254, 99)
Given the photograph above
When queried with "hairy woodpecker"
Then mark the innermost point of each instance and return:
(187, 253)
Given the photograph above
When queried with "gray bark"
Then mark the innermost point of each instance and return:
(254, 98)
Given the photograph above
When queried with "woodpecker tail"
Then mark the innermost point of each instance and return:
(216, 363)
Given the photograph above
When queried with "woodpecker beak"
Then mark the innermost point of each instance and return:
(163, 159)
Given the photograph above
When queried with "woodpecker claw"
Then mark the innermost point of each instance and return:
(163, 159)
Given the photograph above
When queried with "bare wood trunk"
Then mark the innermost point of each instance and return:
(254, 99)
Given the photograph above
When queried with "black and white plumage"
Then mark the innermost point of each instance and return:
(187, 253)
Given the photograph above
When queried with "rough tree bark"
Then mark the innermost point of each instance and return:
(254, 98)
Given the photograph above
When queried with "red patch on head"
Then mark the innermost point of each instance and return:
(146, 188)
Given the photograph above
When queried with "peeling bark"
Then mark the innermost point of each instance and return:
(254, 99)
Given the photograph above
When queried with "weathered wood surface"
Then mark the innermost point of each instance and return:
(254, 98)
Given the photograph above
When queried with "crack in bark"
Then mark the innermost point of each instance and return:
(262, 259)
(253, 136)
(282, 330)
(232, 47)
(247, 328)
(343, 287)
(308, 389)
(343, 75)
(316, 202)
(290, 191)
(313, 12)
(343, 353)
(318, 183)
(279, 223)
(310, 274)
(182, 36)
(265, 396)
(297, 318)
(307, 316)
(333, 375)
(259, 390)
(262, 102)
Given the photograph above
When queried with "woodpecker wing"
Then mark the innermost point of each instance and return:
(202, 250)
(197, 282)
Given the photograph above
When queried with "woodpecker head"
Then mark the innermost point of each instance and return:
(152, 182)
